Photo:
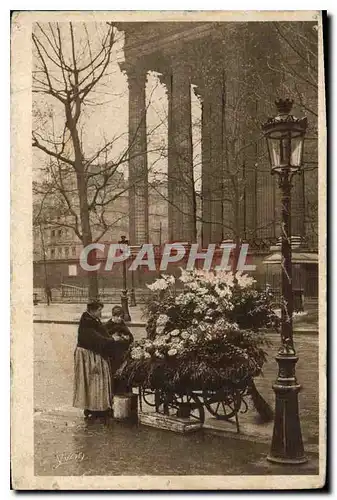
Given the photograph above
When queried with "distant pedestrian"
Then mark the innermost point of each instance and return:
(92, 383)
(48, 294)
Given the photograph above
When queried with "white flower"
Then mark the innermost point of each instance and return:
(185, 335)
(244, 281)
(193, 337)
(175, 332)
(186, 276)
(162, 320)
(161, 284)
(223, 293)
(184, 298)
(147, 355)
(172, 352)
(137, 353)
(169, 278)
(159, 341)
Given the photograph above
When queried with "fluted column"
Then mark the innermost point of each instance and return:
(138, 168)
(181, 195)
(206, 187)
(212, 160)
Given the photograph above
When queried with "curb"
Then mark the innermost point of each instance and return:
(261, 439)
(73, 322)
(143, 325)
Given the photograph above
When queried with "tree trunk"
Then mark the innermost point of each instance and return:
(83, 200)
(87, 237)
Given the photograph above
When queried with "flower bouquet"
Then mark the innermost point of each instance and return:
(204, 335)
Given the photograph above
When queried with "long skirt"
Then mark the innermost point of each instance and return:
(92, 381)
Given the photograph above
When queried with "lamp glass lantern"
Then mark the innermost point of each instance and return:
(285, 139)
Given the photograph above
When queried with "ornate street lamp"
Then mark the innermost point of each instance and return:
(124, 296)
(285, 137)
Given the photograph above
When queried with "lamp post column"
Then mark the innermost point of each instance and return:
(287, 444)
(133, 301)
(124, 295)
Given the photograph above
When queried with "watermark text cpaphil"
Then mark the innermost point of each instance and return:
(151, 257)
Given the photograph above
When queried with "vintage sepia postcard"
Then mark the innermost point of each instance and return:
(168, 250)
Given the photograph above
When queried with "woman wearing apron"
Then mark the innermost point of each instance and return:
(92, 383)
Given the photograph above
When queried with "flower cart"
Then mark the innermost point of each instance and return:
(223, 404)
(204, 347)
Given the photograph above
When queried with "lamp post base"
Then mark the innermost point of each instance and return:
(287, 444)
(285, 461)
(125, 306)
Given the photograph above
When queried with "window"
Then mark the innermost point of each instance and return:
(53, 233)
(52, 253)
(59, 250)
(60, 232)
(72, 270)
(73, 251)
(67, 251)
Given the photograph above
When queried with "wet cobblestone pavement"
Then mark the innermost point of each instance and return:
(76, 447)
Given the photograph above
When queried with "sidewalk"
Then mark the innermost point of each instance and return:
(71, 313)
(69, 445)
(251, 429)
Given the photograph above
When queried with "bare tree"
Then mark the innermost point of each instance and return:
(297, 64)
(69, 69)
(81, 178)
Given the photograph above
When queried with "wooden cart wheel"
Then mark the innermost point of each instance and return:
(148, 397)
(188, 405)
(223, 405)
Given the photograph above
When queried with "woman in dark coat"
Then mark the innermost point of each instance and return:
(92, 383)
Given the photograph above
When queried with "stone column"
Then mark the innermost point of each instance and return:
(138, 169)
(206, 187)
(212, 160)
(181, 195)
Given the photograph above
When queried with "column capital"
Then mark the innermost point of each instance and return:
(199, 92)
(136, 73)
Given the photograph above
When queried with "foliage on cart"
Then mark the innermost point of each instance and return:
(174, 363)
